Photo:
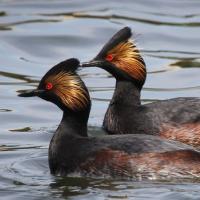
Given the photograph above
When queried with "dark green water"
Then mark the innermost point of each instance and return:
(35, 35)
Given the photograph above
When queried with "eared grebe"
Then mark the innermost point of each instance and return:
(177, 119)
(119, 156)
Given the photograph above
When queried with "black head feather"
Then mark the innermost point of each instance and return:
(121, 36)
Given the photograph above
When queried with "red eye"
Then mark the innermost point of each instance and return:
(49, 86)
(109, 57)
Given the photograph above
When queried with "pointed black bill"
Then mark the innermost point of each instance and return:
(92, 63)
(30, 93)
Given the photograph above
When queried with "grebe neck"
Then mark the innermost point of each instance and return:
(126, 93)
(74, 123)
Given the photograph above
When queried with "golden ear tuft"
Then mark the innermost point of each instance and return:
(127, 57)
(69, 89)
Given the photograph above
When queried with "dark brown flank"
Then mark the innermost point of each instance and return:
(121, 164)
(186, 133)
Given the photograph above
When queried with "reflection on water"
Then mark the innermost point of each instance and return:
(17, 76)
(35, 35)
(187, 63)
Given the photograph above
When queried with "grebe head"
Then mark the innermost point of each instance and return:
(62, 86)
(121, 58)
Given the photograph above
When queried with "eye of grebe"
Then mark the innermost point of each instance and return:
(109, 57)
(49, 86)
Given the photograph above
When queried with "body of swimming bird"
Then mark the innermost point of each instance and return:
(72, 151)
(177, 119)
